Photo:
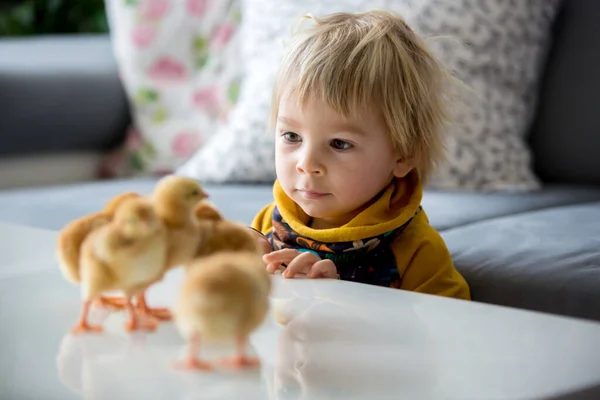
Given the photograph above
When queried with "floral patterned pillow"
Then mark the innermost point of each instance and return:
(177, 61)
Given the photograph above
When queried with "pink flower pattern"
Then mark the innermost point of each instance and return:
(222, 35)
(197, 7)
(154, 9)
(142, 36)
(208, 99)
(167, 69)
(206, 96)
(186, 143)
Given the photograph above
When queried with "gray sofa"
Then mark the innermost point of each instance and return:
(538, 251)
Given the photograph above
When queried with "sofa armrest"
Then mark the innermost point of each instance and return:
(60, 94)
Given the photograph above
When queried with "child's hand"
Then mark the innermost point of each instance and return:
(300, 263)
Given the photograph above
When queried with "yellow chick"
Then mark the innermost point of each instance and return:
(221, 234)
(72, 236)
(175, 199)
(224, 296)
(126, 255)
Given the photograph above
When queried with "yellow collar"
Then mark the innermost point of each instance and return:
(396, 204)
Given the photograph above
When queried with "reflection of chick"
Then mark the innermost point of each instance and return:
(72, 236)
(220, 234)
(125, 255)
(224, 296)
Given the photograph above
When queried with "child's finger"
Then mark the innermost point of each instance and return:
(271, 268)
(323, 269)
(300, 265)
(280, 256)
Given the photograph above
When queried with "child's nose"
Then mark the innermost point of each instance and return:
(309, 163)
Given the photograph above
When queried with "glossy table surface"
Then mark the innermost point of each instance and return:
(323, 339)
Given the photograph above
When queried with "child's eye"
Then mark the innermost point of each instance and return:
(291, 137)
(339, 144)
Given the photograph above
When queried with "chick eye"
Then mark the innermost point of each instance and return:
(291, 137)
(194, 192)
(339, 144)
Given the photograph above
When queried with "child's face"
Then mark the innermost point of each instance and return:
(329, 165)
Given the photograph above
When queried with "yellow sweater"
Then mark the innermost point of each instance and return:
(422, 258)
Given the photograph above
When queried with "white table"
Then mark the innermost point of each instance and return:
(339, 341)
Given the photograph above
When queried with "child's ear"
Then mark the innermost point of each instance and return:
(402, 168)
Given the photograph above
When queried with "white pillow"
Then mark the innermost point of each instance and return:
(497, 49)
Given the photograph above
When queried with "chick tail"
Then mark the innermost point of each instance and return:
(68, 259)
(69, 244)
(73, 235)
(205, 211)
(111, 206)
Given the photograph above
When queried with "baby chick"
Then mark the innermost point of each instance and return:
(224, 296)
(72, 236)
(126, 255)
(220, 234)
(175, 199)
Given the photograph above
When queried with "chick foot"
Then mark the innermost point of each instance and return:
(111, 303)
(241, 362)
(146, 324)
(136, 323)
(162, 314)
(192, 364)
(83, 325)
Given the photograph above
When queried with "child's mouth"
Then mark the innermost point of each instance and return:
(310, 195)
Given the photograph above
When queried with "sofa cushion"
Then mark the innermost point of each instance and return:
(53, 207)
(59, 94)
(566, 135)
(448, 210)
(547, 260)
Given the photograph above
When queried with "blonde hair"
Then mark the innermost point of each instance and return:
(372, 60)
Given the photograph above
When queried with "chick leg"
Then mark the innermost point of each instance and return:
(241, 360)
(83, 325)
(162, 314)
(192, 361)
(111, 303)
(134, 322)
